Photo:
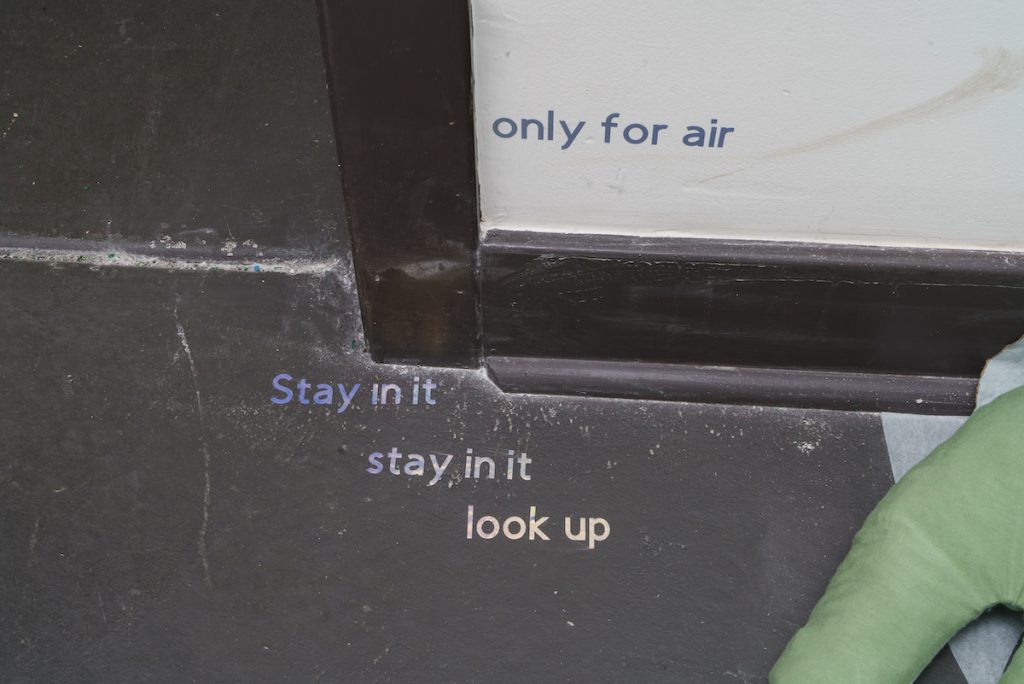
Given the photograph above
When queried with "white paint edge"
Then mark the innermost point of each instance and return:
(867, 240)
(118, 257)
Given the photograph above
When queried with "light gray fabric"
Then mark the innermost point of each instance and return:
(1003, 372)
(910, 438)
(983, 648)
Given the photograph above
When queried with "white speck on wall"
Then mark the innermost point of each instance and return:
(10, 125)
(806, 447)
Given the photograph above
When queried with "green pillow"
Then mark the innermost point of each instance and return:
(944, 545)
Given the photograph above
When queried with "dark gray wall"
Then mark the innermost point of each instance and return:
(193, 120)
(162, 521)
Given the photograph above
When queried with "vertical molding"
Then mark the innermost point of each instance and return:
(401, 92)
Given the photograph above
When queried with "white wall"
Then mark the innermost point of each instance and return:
(868, 121)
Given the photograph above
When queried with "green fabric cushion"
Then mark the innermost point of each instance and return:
(944, 545)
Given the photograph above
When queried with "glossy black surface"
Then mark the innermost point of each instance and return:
(926, 315)
(401, 83)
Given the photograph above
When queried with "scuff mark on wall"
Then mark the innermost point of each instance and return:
(1001, 70)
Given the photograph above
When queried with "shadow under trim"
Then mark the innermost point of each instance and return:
(738, 321)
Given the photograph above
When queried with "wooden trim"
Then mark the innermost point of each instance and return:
(759, 386)
(911, 328)
(400, 80)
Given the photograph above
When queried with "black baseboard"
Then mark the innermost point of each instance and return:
(795, 324)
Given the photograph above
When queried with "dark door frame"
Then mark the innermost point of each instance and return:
(400, 80)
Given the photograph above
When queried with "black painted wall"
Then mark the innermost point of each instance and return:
(189, 121)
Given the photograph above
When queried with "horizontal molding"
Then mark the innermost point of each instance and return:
(966, 264)
(775, 386)
(794, 319)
